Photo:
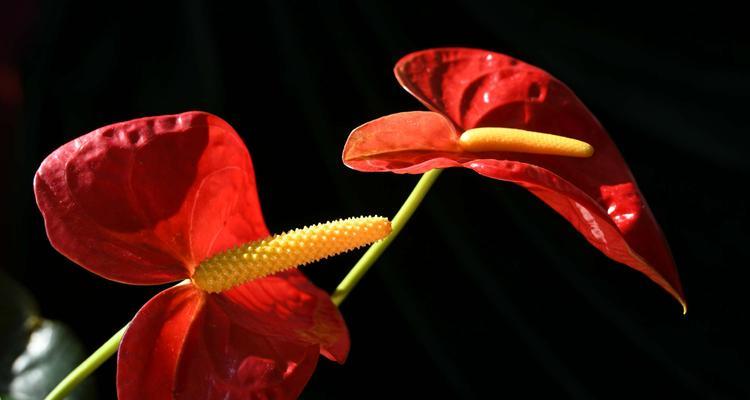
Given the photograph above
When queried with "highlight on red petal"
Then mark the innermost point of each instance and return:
(404, 131)
(143, 201)
(587, 216)
(223, 360)
(468, 84)
(287, 306)
(154, 342)
(182, 345)
(386, 143)
(479, 88)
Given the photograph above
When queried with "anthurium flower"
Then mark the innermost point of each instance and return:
(496, 115)
(173, 198)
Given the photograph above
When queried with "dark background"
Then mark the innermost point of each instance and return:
(487, 293)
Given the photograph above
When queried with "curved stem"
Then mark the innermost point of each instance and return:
(87, 367)
(344, 288)
(374, 252)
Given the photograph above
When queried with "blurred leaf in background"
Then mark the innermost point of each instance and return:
(36, 353)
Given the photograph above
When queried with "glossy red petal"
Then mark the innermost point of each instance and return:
(144, 201)
(223, 360)
(289, 307)
(418, 132)
(476, 88)
(182, 345)
(617, 233)
(154, 342)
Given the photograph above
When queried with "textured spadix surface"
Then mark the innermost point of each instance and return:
(287, 250)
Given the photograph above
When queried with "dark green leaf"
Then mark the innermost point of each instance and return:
(36, 353)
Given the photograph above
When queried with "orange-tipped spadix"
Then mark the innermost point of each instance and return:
(287, 250)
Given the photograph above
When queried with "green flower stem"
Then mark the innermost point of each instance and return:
(345, 287)
(87, 367)
(374, 252)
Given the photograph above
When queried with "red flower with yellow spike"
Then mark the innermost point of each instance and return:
(173, 198)
(487, 110)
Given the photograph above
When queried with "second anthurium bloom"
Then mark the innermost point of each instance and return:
(173, 198)
(511, 121)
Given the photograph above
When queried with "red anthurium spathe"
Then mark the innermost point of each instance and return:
(472, 88)
(156, 199)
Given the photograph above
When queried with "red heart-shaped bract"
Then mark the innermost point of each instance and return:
(186, 344)
(470, 88)
(143, 202)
